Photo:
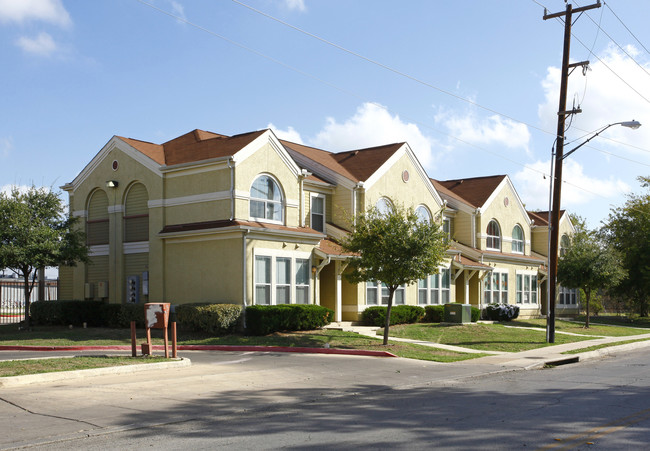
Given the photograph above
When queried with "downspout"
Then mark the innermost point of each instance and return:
(355, 192)
(244, 271)
(232, 188)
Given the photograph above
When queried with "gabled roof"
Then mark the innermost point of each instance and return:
(541, 217)
(473, 191)
(197, 145)
(356, 165)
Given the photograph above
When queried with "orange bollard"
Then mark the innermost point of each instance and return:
(134, 348)
(174, 353)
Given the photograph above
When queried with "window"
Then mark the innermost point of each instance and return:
(565, 242)
(496, 288)
(318, 213)
(423, 213)
(517, 240)
(136, 214)
(435, 289)
(493, 241)
(373, 294)
(266, 200)
(263, 280)
(97, 231)
(302, 281)
(568, 296)
(446, 226)
(526, 289)
(384, 206)
(281, 279)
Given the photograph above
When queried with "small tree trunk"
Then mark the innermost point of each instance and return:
(588, 296)
(391, 291)
(27, 293)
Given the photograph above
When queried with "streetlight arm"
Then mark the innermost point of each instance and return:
(628, 124)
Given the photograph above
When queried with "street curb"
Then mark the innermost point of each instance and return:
(15, 381)
(232, 348)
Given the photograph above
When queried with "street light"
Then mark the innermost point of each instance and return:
(554, 224)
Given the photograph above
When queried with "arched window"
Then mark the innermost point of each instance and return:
(493, 241)
(517, 240)
(384, 206)
(136, 214)
(423, 213)
(266, 200)
(564, 244)
(97, 221)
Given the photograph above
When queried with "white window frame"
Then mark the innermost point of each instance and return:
(521, 242)
(311, 210)
(381, 294)
(493, 238)
(274, 255)
(433, 287)
(525, 296)
(571, 294)
(423, 213)
(502, 293)
(384, 206)
(281, 202)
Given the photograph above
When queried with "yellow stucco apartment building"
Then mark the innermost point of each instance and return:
(252, 219)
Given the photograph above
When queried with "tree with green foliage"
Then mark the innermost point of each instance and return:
(35, 233)
(589, 264)
(628, 231)
(394, 248)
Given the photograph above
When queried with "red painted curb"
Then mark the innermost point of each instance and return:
(359, 352)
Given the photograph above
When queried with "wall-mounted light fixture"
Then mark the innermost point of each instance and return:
(112, 184)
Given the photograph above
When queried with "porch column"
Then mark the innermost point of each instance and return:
(338, 269)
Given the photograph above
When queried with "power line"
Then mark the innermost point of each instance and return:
(637, 39)
(350, 93)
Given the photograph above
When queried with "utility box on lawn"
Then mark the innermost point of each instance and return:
(458, 313)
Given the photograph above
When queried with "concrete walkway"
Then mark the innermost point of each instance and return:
(534, 358)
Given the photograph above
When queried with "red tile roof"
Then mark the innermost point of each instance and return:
(357, 165)
(223, 223)
(194, 146)
(473, 191)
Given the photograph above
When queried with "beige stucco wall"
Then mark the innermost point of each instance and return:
(507, 216)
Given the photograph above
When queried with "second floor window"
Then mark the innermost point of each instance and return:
(493, 241)
(318, 213)
(266, 200)
(517, 240)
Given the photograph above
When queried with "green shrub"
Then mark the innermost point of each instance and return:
(434, 313)
(217, 319)
(56, 313)
(266, 319)
(399, 314)
(119, 316)
(476, 314)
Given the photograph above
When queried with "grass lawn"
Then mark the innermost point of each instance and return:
(577, 327)
(618, 320)
(61, 336)
(607, 345)
(34, 366)
(486, 337)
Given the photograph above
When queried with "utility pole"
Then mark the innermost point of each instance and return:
(556, 181)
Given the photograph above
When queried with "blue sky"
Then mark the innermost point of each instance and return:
(471, 85)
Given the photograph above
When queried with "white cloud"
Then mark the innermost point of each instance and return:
(6, 145)
(371, 126)
(604, 99)
(489, 131)
(289, 134)
(578, 189)
(21, 11)
(178, 9)
(43, 44)
(298, 5)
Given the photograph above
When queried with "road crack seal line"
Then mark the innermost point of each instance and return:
(48, 415)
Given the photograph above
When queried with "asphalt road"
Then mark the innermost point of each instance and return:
(270, 401)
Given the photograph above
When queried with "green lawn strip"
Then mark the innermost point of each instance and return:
(60, 336)
(577, 327)
(34, 366)
(618, 320)
(485, 337)
(605, 345)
